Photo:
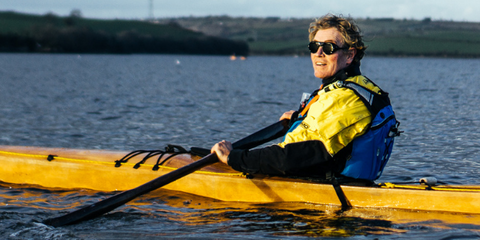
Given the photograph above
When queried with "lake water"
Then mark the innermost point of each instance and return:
(131, 102)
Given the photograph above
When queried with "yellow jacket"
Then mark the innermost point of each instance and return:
(336, 118)
(322, 143)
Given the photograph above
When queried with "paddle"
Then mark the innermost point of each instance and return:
(265, 135)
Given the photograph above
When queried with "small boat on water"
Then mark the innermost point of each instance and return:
(102, 170)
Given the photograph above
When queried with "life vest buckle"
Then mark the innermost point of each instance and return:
(394, 132)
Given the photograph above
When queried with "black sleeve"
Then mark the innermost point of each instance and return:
(300, 159)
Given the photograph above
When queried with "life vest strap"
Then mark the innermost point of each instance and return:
(313, 100)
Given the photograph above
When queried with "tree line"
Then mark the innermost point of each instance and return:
(81, 39)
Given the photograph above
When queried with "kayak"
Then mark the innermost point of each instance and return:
(107, 170)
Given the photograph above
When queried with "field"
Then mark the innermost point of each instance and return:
(383, 36)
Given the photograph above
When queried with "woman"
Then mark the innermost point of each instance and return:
(332, 134)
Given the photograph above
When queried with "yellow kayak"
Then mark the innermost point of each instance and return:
(97, 170)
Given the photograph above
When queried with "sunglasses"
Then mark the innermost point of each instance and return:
(328, 48)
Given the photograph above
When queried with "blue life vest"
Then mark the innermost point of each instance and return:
(371, 151)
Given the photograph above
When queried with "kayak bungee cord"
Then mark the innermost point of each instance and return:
(51, 157)
(429, 187)
(173, 150)
(151, 153)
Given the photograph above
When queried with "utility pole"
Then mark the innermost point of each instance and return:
(150, 11)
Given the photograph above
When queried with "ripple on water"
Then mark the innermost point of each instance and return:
(131, 102)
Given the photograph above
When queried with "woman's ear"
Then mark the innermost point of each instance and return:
(351, 55)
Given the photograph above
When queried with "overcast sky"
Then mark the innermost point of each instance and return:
(458, 10)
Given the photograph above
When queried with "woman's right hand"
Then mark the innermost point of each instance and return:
(287, 115)
(222, 149)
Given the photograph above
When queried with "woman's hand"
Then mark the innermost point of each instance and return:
(222, 149)
(287, 115)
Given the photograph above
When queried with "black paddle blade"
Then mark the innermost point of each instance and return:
(265, 135)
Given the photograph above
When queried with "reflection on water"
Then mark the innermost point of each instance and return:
(191, 212)
(277, 219)
(132, 102)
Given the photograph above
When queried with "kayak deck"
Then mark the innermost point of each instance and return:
(95, 169)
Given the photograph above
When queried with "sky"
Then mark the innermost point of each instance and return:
(458, 10)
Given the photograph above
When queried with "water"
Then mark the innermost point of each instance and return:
(131, 102)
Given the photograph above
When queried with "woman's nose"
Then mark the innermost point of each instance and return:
(319, 51)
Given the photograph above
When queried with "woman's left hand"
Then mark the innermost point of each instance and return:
(287, 115)
(222, 149)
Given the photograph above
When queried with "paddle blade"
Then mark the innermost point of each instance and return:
(256, 139)
(265, 135)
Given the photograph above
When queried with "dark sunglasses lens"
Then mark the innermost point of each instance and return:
(313, 46)
(328, 48)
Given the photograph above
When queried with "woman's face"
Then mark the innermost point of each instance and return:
(324, 65)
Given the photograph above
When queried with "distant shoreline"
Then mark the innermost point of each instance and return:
(224, 35)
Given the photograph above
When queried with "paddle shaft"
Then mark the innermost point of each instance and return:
(265, 135)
